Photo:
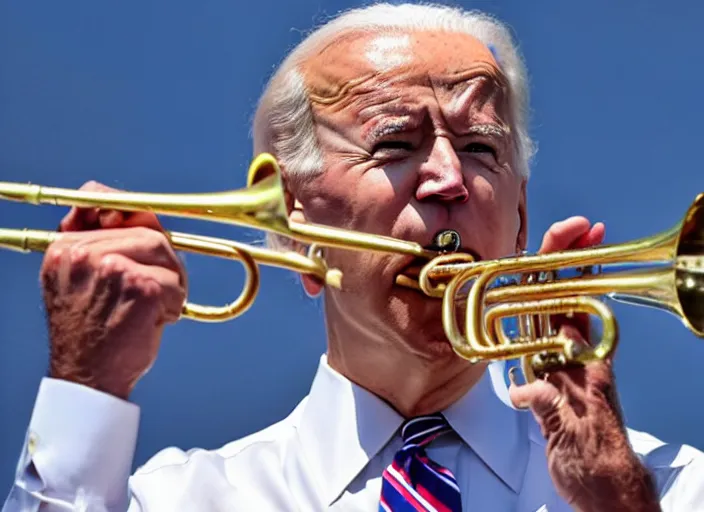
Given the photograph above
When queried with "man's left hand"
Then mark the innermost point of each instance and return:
(590, 459)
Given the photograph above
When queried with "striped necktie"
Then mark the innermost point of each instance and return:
(413, 482)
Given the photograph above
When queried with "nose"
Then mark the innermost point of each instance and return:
(440, 176)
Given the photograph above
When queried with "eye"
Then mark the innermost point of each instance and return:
(478, 147)
(392, 145)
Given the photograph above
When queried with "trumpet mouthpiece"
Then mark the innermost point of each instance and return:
(447, 240)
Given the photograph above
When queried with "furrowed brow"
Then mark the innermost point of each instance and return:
(390, 127)
(488, 130)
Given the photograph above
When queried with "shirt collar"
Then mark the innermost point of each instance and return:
(498, 434)
(342, 421)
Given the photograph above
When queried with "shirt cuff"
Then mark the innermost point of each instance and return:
(80, 443)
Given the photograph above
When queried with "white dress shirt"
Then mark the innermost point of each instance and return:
(328, 454)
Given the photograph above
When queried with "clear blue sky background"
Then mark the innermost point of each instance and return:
(156, 96)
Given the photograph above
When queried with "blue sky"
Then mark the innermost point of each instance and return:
(157, 96)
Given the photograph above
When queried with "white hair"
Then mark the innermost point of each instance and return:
(283, 123)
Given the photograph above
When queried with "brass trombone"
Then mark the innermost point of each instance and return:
(665, 271)
(260, 205)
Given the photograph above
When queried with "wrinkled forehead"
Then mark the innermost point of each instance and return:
(435, 57)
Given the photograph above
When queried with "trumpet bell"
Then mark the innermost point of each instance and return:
(674, 280)
(664, 271)
(689, 267)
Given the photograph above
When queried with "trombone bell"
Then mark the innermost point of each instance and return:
(261, 205)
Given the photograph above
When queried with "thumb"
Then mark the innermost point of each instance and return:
(540, 396)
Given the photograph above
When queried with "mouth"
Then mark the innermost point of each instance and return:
(444, 242)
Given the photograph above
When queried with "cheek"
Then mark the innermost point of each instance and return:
(326, 204)
(371, 202)
(494, 204)
(359, 201)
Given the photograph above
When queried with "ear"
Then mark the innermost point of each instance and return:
(311, 284)
(522, 237)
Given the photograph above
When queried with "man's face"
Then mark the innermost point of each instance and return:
(416, 137)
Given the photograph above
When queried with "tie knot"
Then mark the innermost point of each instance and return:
(423, 429)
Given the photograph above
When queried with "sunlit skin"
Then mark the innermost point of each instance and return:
(415, 139)
(415, 136)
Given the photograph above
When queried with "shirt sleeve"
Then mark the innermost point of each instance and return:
(78, 452)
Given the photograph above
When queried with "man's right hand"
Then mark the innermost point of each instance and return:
(111, 283)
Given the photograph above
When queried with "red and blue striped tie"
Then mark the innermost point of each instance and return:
(412, 481)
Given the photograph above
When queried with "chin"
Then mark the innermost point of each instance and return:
(439, 347)
(420, 319)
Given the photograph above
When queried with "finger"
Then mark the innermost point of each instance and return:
(586, 388)
(594, 236)
(143, 245)
(540, 396)
(49, 273)
(111, 219)
(141, 219)
(550, 404)
(573, 233)
(564, 233)
(575, 328)
(576, 381)
(84, 219)
(79, 219)
(148, 284)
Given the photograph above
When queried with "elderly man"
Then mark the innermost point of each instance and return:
(397, 120)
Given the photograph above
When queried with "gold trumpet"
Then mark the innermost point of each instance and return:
(665, 271)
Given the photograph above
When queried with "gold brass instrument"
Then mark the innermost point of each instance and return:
(665, 271)
(260, 205)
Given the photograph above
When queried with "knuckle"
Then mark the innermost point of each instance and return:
(139, 285)
(111, 267)
(156, 236)
(64, 224)
(90, 185)
(96, 186)
(152, 290)
(52, 261)
(182, 295)
(54, 254)
(150, 236)
(80, 268)
(159, 247)
(78, 254)
(140, 231)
